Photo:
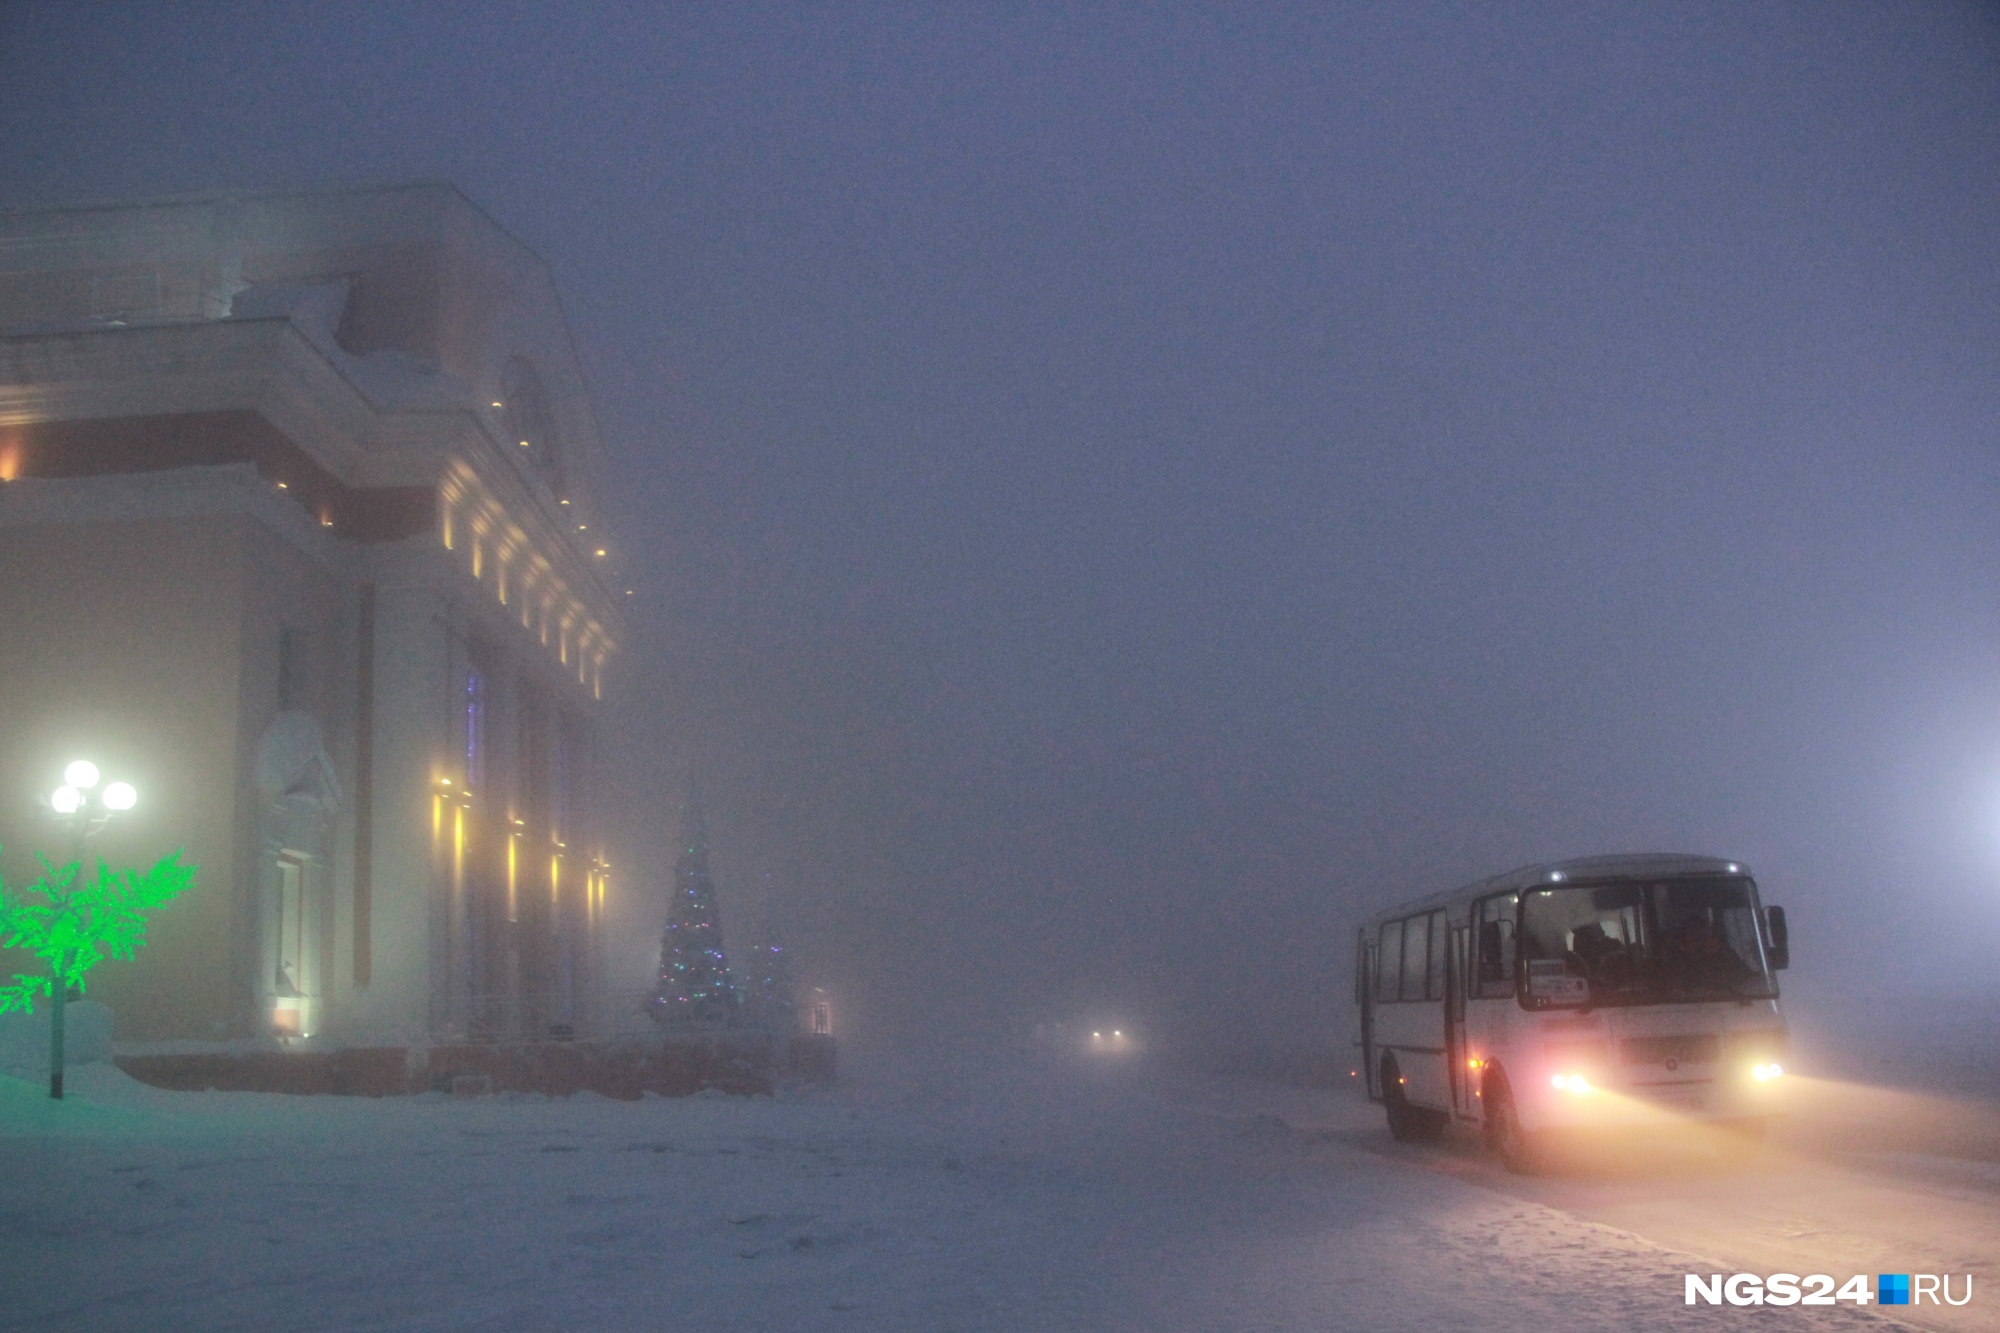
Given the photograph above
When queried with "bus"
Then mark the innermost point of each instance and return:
(1607, 991)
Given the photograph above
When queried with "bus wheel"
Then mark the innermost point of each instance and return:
(1407, 1123)
(1516, 1147)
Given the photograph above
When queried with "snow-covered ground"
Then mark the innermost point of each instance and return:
(933, 1193)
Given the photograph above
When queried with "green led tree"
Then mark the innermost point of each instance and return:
(694, 979)
(72, 926)
(75, 926)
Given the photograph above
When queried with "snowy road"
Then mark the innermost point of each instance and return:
(917, 1196)
(1834, 1192)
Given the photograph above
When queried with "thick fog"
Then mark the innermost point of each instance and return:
(1112, 496)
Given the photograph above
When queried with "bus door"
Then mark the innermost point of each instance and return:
(1454, 1019)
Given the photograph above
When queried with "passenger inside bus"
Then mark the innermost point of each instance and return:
(1697, 957)
(1593, 953)
(1672, 938)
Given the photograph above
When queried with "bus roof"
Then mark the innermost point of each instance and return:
(1637, 865)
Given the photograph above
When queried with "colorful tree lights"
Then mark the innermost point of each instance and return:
(694, 979)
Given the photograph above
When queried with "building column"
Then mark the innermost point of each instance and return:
(410, 996)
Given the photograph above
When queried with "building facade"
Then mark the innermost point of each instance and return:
(298, 534)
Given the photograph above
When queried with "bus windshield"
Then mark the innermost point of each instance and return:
(1643, 943)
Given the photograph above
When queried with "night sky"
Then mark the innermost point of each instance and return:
(1115, 492)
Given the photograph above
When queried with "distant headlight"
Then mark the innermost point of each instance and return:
(1765, 1073)
(1574, 1084)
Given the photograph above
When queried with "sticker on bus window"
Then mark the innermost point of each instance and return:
(1549, 980)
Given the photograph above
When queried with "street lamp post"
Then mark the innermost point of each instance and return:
(84, 808)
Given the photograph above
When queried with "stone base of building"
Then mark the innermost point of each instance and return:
(363, 1071)
(742, 1063)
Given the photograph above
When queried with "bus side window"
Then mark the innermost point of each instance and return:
(1416, 956)
(1440, 939)
(1389, 962)
(1496, 948)
(1489, 953)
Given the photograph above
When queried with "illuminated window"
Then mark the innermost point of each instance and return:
(475, 729)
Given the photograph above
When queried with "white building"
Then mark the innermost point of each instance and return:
(297, 534)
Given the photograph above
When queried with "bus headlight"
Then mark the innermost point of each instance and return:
(1574, 1084)
(1766, 1073)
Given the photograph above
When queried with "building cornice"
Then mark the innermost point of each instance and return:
(268, 366)
(183, 493)
(521, 542)
(570, 616)
(262, 365)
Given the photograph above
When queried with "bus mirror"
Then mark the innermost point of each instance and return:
(1780, 951)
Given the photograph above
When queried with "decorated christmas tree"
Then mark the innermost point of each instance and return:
(771, 997)
(694, 982)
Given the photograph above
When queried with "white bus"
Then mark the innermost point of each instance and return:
(1607, 991)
